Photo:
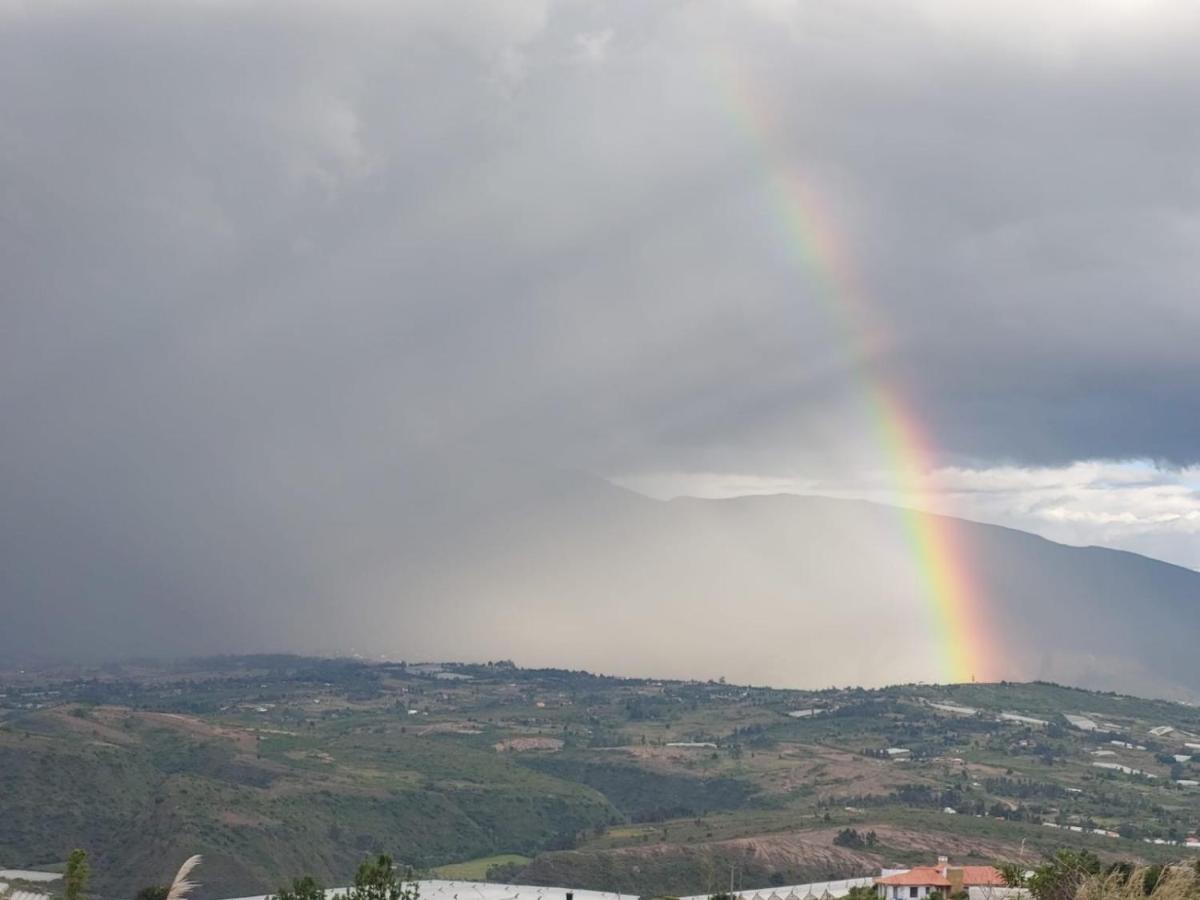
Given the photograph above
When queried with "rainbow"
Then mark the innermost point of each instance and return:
(955, 603)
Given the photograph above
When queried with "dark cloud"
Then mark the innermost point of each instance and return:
(261, 259)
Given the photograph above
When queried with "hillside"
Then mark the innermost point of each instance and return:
(780, 590)
(273, 766)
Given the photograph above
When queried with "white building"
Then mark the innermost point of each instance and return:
(942, 880)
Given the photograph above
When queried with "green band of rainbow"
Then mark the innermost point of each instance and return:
(954, 602)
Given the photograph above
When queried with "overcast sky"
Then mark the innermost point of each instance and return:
(254, 254)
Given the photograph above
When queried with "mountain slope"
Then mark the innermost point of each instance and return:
(801, 591)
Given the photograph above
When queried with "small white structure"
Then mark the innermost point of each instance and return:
(1024, 720)
(1125, 770)
(955, 709)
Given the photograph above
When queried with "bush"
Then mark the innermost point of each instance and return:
(850, 837)
(1157, 882)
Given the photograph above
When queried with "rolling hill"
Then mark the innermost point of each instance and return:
(277, 766)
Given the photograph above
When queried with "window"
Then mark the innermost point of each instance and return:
(912, 891)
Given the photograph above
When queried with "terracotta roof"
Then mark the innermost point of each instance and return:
(922, 875)
(982, 876)
(936, 876)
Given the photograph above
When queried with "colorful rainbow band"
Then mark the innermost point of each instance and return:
(954, 602)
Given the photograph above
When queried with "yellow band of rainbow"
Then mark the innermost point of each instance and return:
(954, 603)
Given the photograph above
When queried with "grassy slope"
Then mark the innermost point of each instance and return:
(477, 869)
(160, 795)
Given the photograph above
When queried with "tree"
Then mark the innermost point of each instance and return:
(305, 888)
(377, 879)
(1059, 878)
(152, 892)
(76, 880)
(849, 837)
(1012, 873)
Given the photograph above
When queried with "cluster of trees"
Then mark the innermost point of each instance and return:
(376, 879)
(925, 795)
(875, 753)
(850, 837)
(1024, 788)
(79, 871)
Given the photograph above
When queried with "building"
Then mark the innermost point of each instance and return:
(943, 879)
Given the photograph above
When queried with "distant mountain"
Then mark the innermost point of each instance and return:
(454, 556)
(803, 591)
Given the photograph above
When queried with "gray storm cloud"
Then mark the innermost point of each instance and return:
(280, 278)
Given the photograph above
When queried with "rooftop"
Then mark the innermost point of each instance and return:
(939, 876)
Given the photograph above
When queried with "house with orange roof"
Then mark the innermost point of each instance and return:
(942, 879)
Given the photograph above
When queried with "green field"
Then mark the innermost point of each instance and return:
(477, 869)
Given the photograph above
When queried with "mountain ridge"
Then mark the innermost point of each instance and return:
(462, 556)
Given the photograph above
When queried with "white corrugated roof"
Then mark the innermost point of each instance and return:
(811, 891)
(29, 875)
(439, 889)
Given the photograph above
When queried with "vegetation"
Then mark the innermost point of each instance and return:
(496, 867)
(1177, 882)
(642, 795)
(849, 837)
(1080, 875)
(551, 776)
(304, 888)
(1059, 878)
(75, 881)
